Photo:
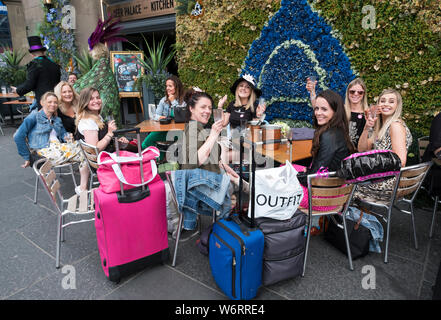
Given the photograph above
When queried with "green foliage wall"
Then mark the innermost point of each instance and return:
(212, 48)
(402, 52)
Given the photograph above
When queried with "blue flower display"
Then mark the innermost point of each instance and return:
(294, 44)
(60, 42)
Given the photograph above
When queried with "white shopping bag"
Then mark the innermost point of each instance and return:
(278, 192)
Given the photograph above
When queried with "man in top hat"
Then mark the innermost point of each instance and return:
(42, 73)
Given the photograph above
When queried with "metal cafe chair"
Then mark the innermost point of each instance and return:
(320, 186)
(407, 184)
(181, 217)
(90, 153)
(77, 205)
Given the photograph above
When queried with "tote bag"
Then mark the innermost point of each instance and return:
(278, 192)
(126, 168)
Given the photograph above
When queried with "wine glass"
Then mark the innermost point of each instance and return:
(109, 118)
(218, 114)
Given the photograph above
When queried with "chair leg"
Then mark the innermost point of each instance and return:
(412, 216)
(72, 174)
(36, 190)
(386, 251)
(59, 232)
(178, 236)
(348, 247)
(432, 225)
(308, 235)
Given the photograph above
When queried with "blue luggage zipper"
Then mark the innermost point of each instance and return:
(233, 253)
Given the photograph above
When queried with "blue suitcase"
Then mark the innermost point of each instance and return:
(236, 258)
(236, 253)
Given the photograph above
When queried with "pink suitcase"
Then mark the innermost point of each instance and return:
(131, 231)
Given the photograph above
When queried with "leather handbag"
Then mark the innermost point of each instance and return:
(180, 115)
(359, 236)
(372, 165)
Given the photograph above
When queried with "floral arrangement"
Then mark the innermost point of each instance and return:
(294, 44)
(59, 41)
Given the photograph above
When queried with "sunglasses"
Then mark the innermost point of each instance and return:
(354, 91)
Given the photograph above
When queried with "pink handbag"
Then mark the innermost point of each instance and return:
(125, 168)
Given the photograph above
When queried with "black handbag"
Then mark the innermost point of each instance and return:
(181, 115)
(373, 165)
(359, 236)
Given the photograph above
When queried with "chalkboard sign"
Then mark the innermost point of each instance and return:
(126, 68)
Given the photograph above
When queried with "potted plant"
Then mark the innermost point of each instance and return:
(155, 64)
(85, 62)
(11, 72)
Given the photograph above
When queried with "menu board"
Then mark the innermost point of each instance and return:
(126, 68)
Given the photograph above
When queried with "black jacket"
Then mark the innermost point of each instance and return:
(332, 150)
(42, 76)
(434, 138)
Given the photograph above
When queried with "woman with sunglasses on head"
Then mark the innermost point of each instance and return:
(355, 106)
(386, 131)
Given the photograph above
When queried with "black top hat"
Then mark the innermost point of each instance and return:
(250, 80)
(35, 44)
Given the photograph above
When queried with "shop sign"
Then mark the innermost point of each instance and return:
(140, 9)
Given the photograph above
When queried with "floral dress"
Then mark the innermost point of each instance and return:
(382, 190)
(60, 153)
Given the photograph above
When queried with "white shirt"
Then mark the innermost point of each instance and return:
(87, 124)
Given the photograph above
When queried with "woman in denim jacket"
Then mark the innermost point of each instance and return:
(46, 135)
(174, 98)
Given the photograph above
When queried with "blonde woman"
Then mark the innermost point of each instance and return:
(355, 106)
(386, 131)
(68, 105)
(91, 127)
(245, 105)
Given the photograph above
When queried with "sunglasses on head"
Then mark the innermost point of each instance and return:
(354, 91)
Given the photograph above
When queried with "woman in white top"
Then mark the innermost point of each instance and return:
(91, 126)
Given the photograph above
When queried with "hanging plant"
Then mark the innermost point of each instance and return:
(57, 38)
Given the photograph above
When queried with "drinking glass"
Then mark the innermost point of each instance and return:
(373, 111)
(218, 114)
(109, 118)
(68, 137)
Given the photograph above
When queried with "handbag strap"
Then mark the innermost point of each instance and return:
(357, 225)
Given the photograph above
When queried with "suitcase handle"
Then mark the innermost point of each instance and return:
(122, 198)
(120, 132)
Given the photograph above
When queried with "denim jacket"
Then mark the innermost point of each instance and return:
(199, 191)
(371, 222)
(164, 109)
(36, 127)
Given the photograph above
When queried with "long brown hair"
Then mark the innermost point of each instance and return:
(179, 89)
(338, 120)
(83, 110)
